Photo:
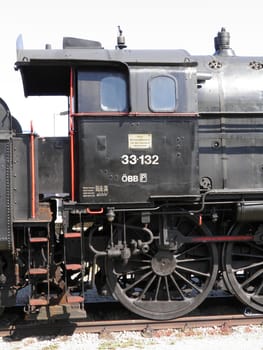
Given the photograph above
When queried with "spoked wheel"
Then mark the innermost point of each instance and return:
(243, 267)
(165, 283)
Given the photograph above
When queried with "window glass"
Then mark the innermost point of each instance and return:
(102, 91)
(162, 94)
(113, 94)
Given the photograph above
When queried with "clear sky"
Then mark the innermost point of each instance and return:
(170, 24)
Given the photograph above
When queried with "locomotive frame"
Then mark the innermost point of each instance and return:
(145, 199)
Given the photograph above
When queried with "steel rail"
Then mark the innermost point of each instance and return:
(69, 327)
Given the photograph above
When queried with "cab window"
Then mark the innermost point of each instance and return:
(113, 94)
(102, 91)
(162, 94)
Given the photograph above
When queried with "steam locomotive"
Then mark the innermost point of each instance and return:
(156, 195)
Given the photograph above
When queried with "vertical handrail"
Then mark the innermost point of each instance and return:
(33, 173)
(71, 135)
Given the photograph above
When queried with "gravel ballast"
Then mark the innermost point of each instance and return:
(212, 338)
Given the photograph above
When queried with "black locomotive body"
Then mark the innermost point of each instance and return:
(156, 196)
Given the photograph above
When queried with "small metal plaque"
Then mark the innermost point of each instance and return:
(140, 141)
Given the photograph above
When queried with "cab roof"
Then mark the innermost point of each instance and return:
(47, 72)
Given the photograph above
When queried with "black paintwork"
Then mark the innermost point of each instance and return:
(177, 172)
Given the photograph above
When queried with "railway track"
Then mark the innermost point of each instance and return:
(18, 327)
(61, 327)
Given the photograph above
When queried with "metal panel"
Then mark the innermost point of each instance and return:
(5, 200)
(244, 161)
(231, 151)
(210, 152)
(235, 84)
(185, 78)
(129, 160)
(21, 177)
(54, 165)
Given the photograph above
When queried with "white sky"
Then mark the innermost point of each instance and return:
(170, 24)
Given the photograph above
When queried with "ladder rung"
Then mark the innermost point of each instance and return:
(72, 235)
(38, 302)
(38, 271)
(73, 267)
(38, 239)
(72, 299)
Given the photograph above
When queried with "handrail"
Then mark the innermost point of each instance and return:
(71, 135)
(33, 173)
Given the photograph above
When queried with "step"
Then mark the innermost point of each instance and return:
(74, 299)
(38, 239)
(38, 302)
(73, 267)
(72, 235)
(38, 271)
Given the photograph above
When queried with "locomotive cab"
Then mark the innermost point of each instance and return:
(126, 140)
(133, 120)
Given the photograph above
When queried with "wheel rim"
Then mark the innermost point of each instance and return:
(165, 284)
(243, 267)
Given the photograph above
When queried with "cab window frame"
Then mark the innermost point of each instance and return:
(92, 85)
(155, 86)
